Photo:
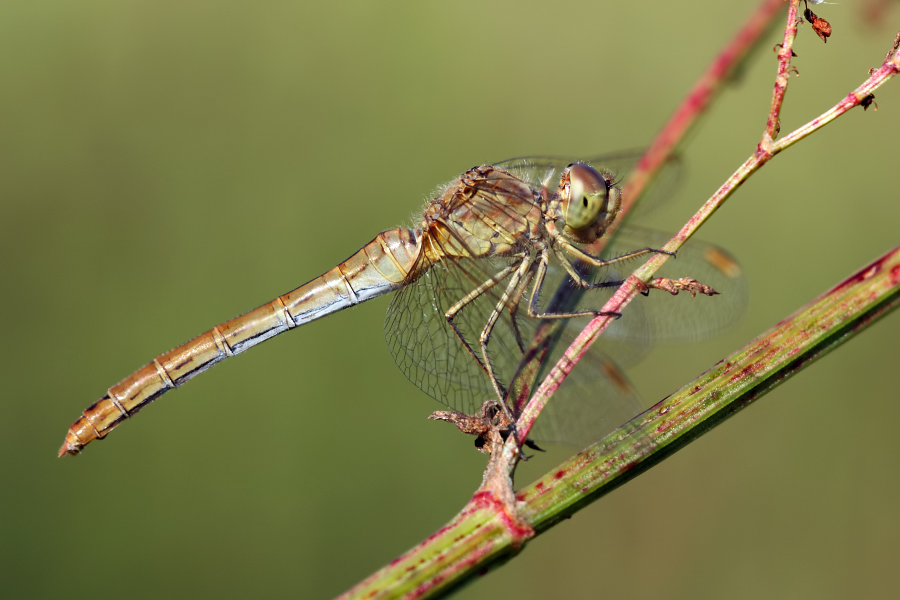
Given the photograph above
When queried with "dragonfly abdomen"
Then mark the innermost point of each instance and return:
(381, 266)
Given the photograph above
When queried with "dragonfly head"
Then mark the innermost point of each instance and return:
(588, 201)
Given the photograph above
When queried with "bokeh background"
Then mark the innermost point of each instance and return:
(167, 165)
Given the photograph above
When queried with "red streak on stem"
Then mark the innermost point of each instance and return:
(781, 79)
(698, 100)
(766, 149)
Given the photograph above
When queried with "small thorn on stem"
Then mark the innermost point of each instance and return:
(779, 46)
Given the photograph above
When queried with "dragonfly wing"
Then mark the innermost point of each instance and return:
(595, 399)
(682, 318)
(427, 349)
(540, 170)
(660, 317)
(597, 396)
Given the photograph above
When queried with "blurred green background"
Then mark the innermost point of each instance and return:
(165, 166)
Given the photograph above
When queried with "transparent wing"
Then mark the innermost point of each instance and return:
(430, 353)
(658, 318)
(535, 168)
(683, 318)
(597, 396)
(546, 170)
(593, 401)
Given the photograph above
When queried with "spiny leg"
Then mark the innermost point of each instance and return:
(599, 262)
(485, 337)
(512, 291)
(577, 277)
(536, 291)
(513, 306)
(470, 297)
(673, 286)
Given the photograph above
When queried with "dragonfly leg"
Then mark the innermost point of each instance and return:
(513, 306)
(470, 297)
(577, 277)
(536, 292)
(599, 262)
(522, 269)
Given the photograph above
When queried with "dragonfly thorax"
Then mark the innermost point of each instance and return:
(485, 212)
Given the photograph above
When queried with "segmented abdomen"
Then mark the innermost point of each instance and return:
(381, 266)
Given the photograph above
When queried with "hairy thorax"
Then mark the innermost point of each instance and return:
(485, 212)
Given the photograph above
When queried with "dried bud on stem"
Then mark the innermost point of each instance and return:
(869, 101)
(820, 25)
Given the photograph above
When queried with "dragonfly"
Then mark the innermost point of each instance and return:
(472, 281)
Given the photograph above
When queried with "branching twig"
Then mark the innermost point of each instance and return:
(486, 530)
(679, 124)
(481, 534)
(636, 283)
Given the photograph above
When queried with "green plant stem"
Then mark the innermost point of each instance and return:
(481, 536)
(732, 384)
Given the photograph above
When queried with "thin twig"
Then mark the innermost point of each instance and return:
(773, 123)
(636, 282)
(696, 103)
(686, 115)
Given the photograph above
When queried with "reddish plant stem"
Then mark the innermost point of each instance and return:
(697, 101)
(483, 535)
(854, 98)
(773, 123)
(685, 116)
(636, 282)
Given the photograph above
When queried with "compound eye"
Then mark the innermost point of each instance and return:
(588, 196)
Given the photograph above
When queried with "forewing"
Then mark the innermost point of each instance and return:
(597, 396)
(594, 399)
(535, 168)
(427, 349)
(546, 170)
